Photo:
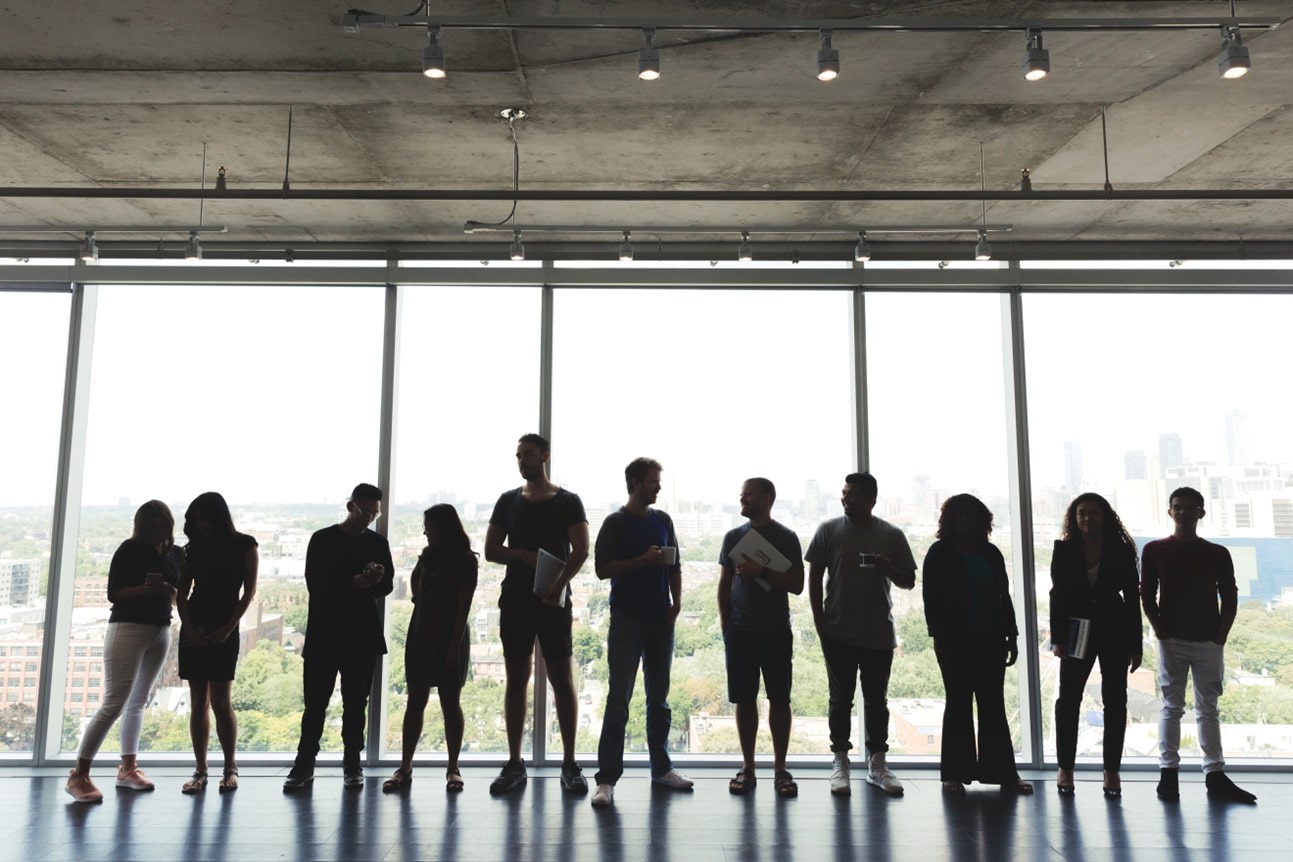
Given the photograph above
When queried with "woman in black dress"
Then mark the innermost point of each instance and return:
(1094, 577)
(437, 650)
(972, 620)
(220, 566)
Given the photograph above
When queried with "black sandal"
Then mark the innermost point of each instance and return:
(742, 783)
(785, 784)
(399, 781)
(195, 785)
(452, 781)
(226, 786)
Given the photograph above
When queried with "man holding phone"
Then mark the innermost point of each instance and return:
(863, 555)
(637, 551)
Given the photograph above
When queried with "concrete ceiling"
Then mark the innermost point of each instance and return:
(125, 94)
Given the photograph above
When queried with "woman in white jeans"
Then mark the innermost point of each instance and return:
(141, 586)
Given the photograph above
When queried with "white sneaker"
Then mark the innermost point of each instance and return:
(879, 776)
(840, 785)
(604, 795)
(674, 780)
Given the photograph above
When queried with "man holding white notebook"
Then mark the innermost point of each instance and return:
(760, 565)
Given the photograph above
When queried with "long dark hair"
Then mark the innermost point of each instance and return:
(451, 538)
(144, 516)
(964, 504)
(1114, 532)
(212, 508)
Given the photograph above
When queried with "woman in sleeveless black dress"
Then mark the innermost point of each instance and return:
(218, 586)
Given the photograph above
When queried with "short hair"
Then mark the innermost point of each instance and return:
(968, 504)
(765, 486)
(865, 481)
(365, 491)
(537, 440)
(637, 471)
(145, 513)
(1188, 493)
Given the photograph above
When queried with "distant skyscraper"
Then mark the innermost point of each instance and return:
(1237, 438)
(1136, 465)
(812, 500)
(1073, 466)
(1171, 452)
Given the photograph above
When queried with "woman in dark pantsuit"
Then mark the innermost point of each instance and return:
(972, 621)
(1094, 578)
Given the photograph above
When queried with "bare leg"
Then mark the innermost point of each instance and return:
(226, 721)
(779, 720)
(414, 713)
(453, 723)
(514, 700)
(199, 721)
(747, 730)
(566, 703)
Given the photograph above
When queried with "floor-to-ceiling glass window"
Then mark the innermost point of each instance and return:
(937, 424)
(270, 395)
(468, 388)
(1132, 396)
(33, 352)
(719, 386)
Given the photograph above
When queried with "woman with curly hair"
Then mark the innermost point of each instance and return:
(970, 617)
(1094, 578)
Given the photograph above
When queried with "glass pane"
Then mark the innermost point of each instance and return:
(269, 395)
(33, 338)
(718, 386)
(938, 418)
(467, 392)
(1132, 396)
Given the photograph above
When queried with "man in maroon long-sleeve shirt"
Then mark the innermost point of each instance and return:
(1182, 578)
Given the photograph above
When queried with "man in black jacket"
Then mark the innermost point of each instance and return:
(348, 569)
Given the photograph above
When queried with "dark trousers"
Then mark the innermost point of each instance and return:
(1113, 691)
(974, 673)
(845, 666)
(629, 642)
(320, 680)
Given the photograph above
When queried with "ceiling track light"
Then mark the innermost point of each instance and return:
(517, 249)
(193, 248)
(1036, 61)
(743, 251)
(982, 250)
(828, 59)
(626, 248)
(89, 248)
(862, 251)
(433, 54)
(648, 56)
(1233, 61)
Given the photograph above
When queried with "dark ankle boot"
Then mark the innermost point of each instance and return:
(1169, 789)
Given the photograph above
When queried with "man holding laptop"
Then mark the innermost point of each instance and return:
(760, 564)
(535, 518)
(637, 551)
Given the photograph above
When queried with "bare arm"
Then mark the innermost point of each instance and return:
(608, 569)
(815, 572)
(459, 624)
(250, 575)
(675, 590)
(724, 595)
(577, 535)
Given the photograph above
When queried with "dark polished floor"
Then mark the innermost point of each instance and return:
(260, 823)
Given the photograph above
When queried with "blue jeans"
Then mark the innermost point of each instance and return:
(628, 641)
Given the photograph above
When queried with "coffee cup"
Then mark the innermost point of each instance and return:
(669, 556)
(153, 580)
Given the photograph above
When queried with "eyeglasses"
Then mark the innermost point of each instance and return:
(372, 516)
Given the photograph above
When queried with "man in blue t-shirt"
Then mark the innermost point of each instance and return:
(754, 585)
(638, 552)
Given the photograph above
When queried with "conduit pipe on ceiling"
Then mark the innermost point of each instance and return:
(636, 195)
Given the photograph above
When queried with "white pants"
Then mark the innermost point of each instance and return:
(1206, 661)
(133, 655)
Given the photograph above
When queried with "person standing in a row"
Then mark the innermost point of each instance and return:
(220, 568)
(348, 569)
(142, 581)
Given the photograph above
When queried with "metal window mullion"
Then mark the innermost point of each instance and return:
(539, 753)
(385, 480)
(861, 441)
(1023, 558)
(65, 535)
